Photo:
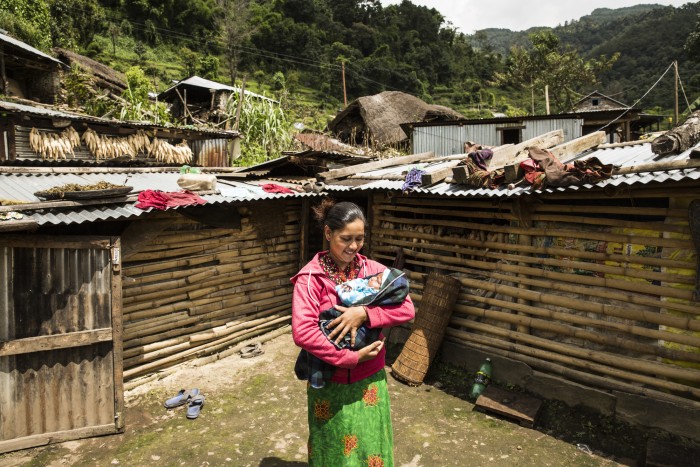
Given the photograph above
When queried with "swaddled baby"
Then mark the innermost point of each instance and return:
(385, 288)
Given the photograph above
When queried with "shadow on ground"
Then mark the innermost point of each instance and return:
(255, 415)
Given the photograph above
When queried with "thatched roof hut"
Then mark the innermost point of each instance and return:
(105, 77)
(377, 119)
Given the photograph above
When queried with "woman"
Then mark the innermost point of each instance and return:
(349, 418)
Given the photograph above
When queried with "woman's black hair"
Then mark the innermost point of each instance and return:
(337, 215)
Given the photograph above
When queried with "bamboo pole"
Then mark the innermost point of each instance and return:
(563, 329)
(200, 326)
(545, 356)
(571, 374)
(550, 262)
(190, 343)
(538, 250)
(197, 351)
(547, 232)
(568, 303)
(648, 367)
(661, 291)
(506, 205)
(525, 240)
(572, 331)
(678, 322)
(578, 220)
(560, 285)
(197, 290)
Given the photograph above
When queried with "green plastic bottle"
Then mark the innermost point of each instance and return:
(481, 380)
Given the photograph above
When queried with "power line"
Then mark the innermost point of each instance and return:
(638, 100)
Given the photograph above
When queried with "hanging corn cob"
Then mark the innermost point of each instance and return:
(163, 151)
(105, 147)
(52, 145)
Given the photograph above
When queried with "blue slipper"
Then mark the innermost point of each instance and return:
(195, 407)
(182, 398)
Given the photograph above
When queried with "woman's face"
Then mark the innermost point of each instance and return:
(345, 242)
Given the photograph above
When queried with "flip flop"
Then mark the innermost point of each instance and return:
(195, 407)
(252, 350)
(182, 397)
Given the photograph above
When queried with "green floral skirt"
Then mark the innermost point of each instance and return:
(350, 424)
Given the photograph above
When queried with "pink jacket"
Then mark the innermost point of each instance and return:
(314, 292)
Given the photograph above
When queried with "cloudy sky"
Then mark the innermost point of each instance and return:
(516, 15)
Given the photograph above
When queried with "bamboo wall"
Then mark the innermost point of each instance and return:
(597, 291)
(195, 290)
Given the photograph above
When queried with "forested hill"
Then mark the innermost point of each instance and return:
(585, 33)
(649, 38)
(300, 46)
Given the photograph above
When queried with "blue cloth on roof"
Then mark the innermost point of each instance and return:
(413, 180)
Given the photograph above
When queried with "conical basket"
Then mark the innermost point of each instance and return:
(432, 317)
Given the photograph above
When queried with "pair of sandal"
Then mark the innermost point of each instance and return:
(191, 397)
(252, 350)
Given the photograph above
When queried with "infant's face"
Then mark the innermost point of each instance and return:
(374, 282)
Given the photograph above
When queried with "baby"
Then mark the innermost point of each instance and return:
(356, 291)
(385, 288)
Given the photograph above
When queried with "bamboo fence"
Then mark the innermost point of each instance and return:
(599, 293)
(195, 291)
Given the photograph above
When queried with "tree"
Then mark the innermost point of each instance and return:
(189, 59)
(235, 29)
(114, 32)
(692, 43)
(27, 20)
(547, 64)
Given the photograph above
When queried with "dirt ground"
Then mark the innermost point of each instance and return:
(255, 415)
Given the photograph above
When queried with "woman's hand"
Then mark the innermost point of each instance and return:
(370, 351)
(350, 319)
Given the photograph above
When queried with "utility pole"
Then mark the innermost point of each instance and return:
(546, 97)
(675, 95)
(240, 104)
(345, 94)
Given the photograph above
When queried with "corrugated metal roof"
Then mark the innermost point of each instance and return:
(621, 156)
(198, 82)
(28, 48)
(49, 112)
(21, 187)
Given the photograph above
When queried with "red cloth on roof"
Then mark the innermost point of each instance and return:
(275, 188)
(162, 200)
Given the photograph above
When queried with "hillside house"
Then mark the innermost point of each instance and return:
(28, 73)
(196, 98)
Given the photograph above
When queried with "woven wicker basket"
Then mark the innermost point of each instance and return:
(439, 297)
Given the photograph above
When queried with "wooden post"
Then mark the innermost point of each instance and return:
(675, 94)
(240, 105)
(546, 97)
(2, 71)
(304, 232)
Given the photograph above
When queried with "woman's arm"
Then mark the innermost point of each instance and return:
(385, 316)
(305, 329)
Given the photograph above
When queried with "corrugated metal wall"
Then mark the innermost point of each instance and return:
(572, 128)
(208, 152)
(211, 152)
(443, 140)
(51, 292)
(24, 150)
(597, 293)
(446, 140)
